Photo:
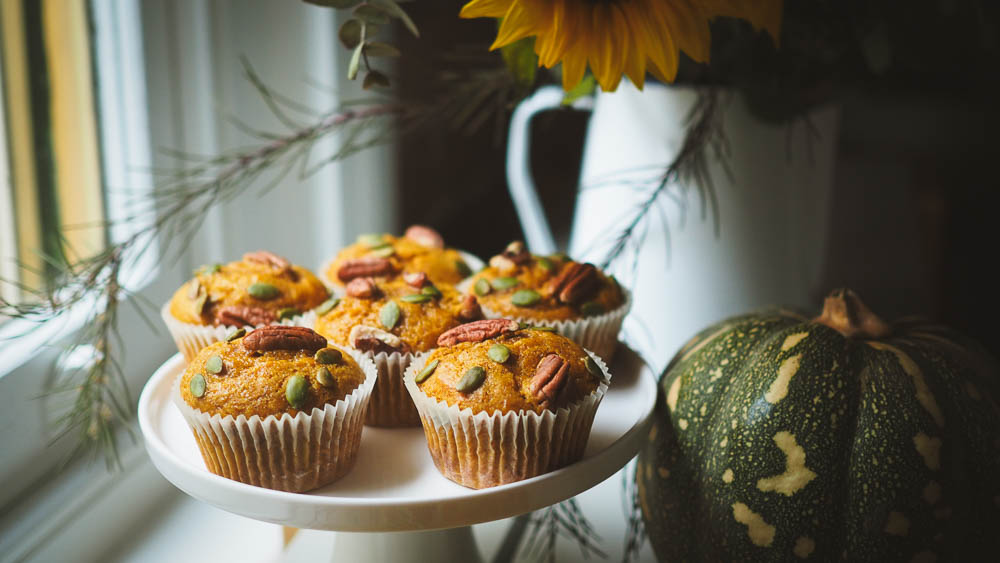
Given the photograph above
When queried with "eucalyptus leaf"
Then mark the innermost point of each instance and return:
(339, 4)
(393, 9)
(370, 13)
(380, 49)
(350, 33)
(352, 69)
(376, 78)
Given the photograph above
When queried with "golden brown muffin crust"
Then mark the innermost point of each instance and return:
(225, 285)
(442, 266)
(254, 383)
(507, 386)
(419, 324)
(537, 275)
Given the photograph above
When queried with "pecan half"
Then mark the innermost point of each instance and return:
(575, 283)
(517, 253)
(243, 315)
(415, 279)
(477, 331)
(375, 340)
(362, 288)
(279, 263)
(470, 310)
(550, 377)
(424, 236)
(278, 337)
(364, 267)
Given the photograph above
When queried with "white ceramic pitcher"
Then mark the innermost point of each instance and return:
(772, 210)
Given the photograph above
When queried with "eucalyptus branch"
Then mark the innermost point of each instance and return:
(689, 169)
(560, 520)
(179, 205)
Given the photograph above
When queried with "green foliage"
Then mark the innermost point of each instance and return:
(522, 62)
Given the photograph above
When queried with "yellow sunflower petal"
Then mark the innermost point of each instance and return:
(485, 9)
(516, 25)
(574, 65)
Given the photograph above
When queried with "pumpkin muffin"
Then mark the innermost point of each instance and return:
(390, 321)
(277, 407)
(383, 256)
(576, 299)
(500, 403)
(261, 289)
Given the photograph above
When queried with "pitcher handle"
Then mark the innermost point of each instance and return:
(537, 232)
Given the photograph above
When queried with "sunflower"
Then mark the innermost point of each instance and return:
(616, 37)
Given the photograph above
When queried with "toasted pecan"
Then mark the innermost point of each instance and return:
(367, 266)
(278, 337)
(477, 331)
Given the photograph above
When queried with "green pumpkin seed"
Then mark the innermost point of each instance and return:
(546, 264)
(384, 251)
(328, 356)
(499, 353)
(200, 303)
(206, 269)
(558, 257)
(263, 291)
(593, 368)
(327, 306)
(525, 297)
(214, 365)
(539, 328)
(481, 287)
(432, 291)
(427, 371)
(325, 378)
(389, 315)
(372, 240)
(591, 308)
(197, 385)
(238, 333)
(463, 268)
(503, 283)
(416, 298)
(288, 313)
(295, 391)
(472, 380)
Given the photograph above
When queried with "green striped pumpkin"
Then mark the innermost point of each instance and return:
(777, 437)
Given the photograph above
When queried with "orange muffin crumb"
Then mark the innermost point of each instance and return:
(259, 289)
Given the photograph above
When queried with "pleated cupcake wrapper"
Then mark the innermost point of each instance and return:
(391, 405)
(286, 453)
(480, 450)
(191, 338)
(598, 333)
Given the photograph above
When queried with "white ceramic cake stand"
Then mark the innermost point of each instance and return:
(395, 487)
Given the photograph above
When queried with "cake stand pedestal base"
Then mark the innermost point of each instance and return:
(440, 546)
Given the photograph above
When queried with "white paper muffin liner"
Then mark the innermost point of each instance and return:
(286, 453)
(191, 338)
(479, 450)
(390, 405)
(598, 333)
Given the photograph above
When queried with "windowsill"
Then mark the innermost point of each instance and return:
(185, 529)
(20, 340)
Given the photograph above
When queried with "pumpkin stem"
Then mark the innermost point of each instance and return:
(844, 312)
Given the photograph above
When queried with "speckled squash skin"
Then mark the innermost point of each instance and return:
(777, 438)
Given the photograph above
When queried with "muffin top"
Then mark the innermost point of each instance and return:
(403, 315)
(270, 371)
(493, 365)
(522, 285)
(259, 289)
(384, 256)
